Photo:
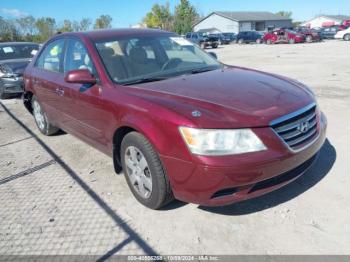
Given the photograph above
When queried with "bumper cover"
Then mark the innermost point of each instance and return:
(12, 85)
(248, 176)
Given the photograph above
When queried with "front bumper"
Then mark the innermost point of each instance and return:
(230, 179)
(11, 85)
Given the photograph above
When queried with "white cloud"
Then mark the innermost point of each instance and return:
(13, 12)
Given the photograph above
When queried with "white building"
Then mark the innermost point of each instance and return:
(326, 20)
(234, 22)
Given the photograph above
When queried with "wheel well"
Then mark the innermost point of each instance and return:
(27, 101)
(118, 136)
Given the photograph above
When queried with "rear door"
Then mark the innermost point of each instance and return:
(47, 70)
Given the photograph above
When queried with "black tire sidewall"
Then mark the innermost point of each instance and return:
(158, 194)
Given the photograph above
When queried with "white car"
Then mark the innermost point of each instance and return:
(343, 34)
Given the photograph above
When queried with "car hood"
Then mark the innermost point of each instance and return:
(229, 98)
(17, 65)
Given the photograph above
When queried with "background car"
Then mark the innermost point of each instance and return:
(249, 37)
(231, 36)
(310, 34)
(223, 40)
(329, 32)
(343, 34)
(283, 36)
(202, 40)
(14, 57)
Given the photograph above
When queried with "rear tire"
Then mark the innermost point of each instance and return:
(347, 37)
(144, 172)
(41, 119)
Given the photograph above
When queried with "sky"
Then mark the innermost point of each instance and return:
(129, 12)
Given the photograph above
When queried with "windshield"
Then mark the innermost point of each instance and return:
(129, 60)
(13, 51)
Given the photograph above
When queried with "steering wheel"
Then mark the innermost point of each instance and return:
(171, 63)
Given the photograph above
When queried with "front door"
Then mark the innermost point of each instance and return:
(85, 113)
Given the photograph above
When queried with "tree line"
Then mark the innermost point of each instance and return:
(180, 20)
(40, 29)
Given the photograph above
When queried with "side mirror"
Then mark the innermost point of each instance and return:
(213, 55)
(80, 76)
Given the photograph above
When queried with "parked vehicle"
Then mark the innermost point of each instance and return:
(14, 57)
(329, 32)
(223, 40)
(249, 37)
(310, 34)
(177, 122)
(343, 34)
(283, 36)
(202, 40)
(231, 36)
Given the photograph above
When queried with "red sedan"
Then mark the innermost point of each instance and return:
(175, 120)
(283, 36)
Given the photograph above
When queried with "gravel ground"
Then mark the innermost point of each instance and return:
(60, 196)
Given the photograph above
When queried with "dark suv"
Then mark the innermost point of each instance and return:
(249, 37)
(202, 40)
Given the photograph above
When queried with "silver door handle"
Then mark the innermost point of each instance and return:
(59, 91)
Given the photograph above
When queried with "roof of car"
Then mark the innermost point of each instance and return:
(110, 33)
(17, 43)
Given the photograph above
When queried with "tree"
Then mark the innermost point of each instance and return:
(27, 27)
(46, 27)
(159, 17)
(9, 30)
(286, 14)
(85, 24)
(67, 26)
(104, 21)
(184, 18)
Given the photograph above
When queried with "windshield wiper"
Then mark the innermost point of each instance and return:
(202, 70)
(145, 80)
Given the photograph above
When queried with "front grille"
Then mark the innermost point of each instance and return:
(299, 128)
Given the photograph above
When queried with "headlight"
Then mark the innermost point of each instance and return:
(219, 142)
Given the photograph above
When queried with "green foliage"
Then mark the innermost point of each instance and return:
(46, 27)
(184, 18)
(103, 22)
(159, 17)
(286, 14)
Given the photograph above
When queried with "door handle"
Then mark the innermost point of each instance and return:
(59, 91)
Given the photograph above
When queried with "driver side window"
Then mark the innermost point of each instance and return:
(77, 57)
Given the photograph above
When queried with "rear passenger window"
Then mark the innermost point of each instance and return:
(51, 57)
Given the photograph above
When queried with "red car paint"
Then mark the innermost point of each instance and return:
(229, 98)
(283, 36)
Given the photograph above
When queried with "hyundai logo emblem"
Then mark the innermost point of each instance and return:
(196, 113)
(304, 127)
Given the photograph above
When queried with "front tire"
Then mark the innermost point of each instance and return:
(309, 39)
(41, 119)
(347, 37)
(144, 172)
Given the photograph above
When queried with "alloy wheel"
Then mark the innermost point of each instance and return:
(38, 115)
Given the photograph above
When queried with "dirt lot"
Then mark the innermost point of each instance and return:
(60, 196)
